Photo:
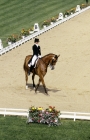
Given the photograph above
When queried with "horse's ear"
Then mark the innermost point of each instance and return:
(56, 56)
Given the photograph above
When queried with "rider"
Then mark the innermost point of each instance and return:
(36, 54)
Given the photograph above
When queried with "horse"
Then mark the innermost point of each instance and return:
(40, 69)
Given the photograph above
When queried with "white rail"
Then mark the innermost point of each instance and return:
(20, 42)
(14, 112)
(74, 115)
(63, 114)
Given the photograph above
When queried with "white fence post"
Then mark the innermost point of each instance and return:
(1, 45)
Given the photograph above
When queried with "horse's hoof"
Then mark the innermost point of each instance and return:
(47, 94)
(36, 91)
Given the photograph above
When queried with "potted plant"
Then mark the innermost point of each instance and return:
(83, 6)
(72, 11)
(67, 13)
(31, 30)
(48, 116)
(12, 39)
(24, 33)
(46, 23)
(53, 19)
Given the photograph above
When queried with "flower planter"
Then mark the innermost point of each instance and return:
(51, 23)
(49, 116)
(31, 32)
(9, 43)
(66, 16)
(23, 37)
(44, 26)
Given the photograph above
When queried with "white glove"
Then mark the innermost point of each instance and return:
(39, 56)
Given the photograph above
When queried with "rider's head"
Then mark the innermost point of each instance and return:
(36, 40)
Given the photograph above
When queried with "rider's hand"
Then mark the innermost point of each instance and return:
(39, 56)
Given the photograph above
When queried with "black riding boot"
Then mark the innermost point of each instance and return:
(30, 70)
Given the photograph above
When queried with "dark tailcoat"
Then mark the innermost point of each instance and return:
(36, 50)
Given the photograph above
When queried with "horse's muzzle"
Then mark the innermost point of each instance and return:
(52, 68)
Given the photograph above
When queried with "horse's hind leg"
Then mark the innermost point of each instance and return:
(26, 78)
(33, 76)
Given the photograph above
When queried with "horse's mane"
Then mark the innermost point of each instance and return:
(48, 54)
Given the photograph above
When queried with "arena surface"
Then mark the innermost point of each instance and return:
(68, 85)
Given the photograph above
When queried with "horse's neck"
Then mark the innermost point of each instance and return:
(46, 59)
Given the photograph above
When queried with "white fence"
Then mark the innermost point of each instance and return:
(63, 114)
(74, 115)
(14, 112)
(20, 42)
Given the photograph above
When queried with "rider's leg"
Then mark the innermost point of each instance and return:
(30, 69)
(33, 60)
(32, 63)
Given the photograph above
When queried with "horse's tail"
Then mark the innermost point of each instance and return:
(25, 65)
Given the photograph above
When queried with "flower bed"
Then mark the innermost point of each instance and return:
(13, 38)
(53, 19)
(24, 32)
(48, 116)
(46, 22)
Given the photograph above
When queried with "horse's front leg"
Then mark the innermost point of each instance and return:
(33, 76)
(42, 80)
(37, 85)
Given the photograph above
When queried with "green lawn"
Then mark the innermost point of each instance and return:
(16, 128)
(17, 14)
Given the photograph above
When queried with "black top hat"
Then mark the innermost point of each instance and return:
(36, 40)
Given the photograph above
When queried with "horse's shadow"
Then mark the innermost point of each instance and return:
(41, 89)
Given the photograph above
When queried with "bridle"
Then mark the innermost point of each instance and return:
(52, 62)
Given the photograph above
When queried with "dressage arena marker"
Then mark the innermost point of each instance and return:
(78, 8)
(24, 40)
(63, 114)
(36, 27)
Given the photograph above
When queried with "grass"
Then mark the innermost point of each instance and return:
(15, 128)
(17, 14)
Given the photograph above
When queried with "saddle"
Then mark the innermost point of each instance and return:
(30, 62)
(35, 64)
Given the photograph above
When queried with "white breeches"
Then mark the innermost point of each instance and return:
(33, 59)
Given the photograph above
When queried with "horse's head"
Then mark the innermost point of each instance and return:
(53, 61)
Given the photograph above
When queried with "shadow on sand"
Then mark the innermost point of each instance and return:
(41, 89)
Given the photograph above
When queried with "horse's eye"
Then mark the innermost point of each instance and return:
(53, 61)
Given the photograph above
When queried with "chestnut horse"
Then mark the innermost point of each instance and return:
(40, 69)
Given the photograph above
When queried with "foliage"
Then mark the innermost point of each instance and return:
(83, 6)
(13, 38)
(24, 32)
(67, 13)
(48, 116)
(72, 10)
(31, 29)
(46, 22)
(53, 19)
